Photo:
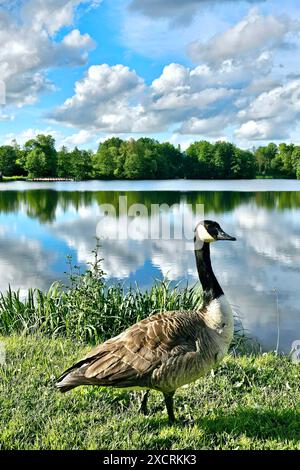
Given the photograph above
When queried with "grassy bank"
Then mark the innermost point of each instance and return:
(251, 402)
(14, 178)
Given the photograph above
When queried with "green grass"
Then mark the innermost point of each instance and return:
(14, 178)
(251, 402)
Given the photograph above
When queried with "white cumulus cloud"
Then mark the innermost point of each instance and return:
(272, 114)
(29, 49)
(252, 35)
(116, 99)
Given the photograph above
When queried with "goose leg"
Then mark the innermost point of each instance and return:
(170, 406)
(143, 408)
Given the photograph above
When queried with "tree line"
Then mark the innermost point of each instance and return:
(147, 158)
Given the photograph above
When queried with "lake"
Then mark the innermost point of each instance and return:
(149, 237)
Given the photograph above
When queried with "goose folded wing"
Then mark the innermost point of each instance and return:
(129, 359)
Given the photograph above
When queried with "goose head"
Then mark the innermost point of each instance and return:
(208, 231)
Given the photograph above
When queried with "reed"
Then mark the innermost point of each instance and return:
(87, 308)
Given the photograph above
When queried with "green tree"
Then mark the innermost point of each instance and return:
(45, 143)
(170, 160)
(115, 142)
(104, 162)
(21, 158)
(243, 164)
(151, 167)
(8, 161)
(64, 163)
(265, 156)
(133, 167)
(203, 152)
(286, 156)
(36, 163)
(296, 161)
(222, 160)
(119, 162)
(141, 159)
(108, 162)
(82, 164)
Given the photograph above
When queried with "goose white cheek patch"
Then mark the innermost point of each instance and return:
(203, 234)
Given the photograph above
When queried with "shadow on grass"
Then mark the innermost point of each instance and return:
(261, 424)
(281, 424)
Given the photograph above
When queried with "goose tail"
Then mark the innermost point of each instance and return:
(65, 388)
(72, 378)
(67, 382)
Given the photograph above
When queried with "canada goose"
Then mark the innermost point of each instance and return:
(166, 350)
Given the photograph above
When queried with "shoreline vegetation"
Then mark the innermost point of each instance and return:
(87, 309)
(145, 158)
(251, 401)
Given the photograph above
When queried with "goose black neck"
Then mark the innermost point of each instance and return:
(207, 277)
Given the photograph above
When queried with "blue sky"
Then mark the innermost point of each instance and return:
(85, 70)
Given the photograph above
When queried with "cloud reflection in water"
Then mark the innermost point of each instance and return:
(265, 257)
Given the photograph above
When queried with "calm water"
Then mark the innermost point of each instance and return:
(42, 223)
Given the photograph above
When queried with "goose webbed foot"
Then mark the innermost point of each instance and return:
(143, 407)
(170, 406)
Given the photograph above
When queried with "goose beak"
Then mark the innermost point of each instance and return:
(224, 236)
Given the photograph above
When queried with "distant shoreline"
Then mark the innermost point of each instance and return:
(47, 180)
(166, 185)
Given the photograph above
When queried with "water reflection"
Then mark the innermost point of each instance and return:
(43, 204)
(38, 228)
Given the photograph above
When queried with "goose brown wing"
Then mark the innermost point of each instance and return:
(128, 359)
